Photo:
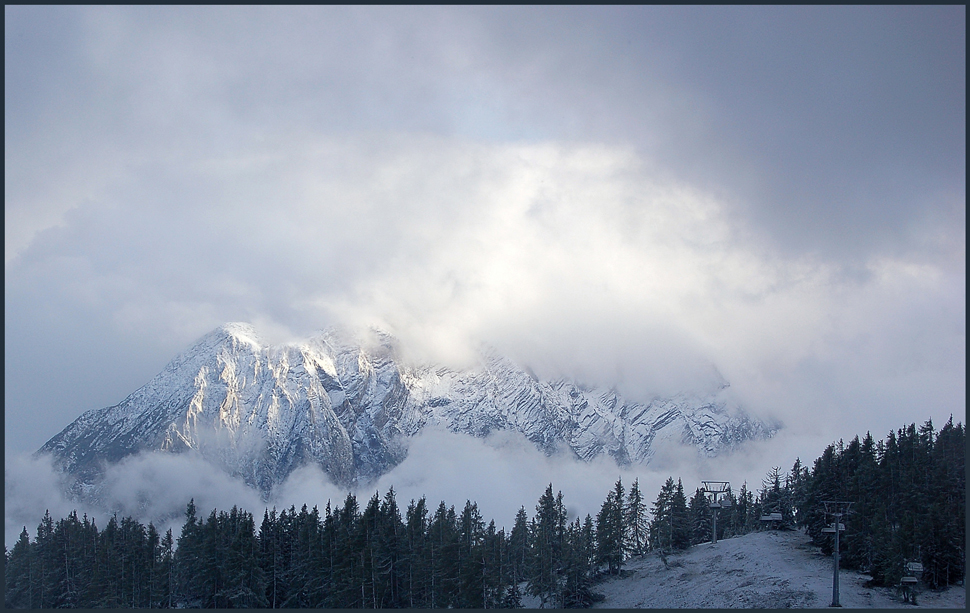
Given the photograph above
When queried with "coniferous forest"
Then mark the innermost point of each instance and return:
(908, 494)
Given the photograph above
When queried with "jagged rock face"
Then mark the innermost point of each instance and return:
(349, 407)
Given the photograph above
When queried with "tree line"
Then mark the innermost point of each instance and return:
(908, 497)
(909, 505)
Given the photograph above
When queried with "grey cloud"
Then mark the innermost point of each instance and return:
(158, 486)
(501, 473)
(150, 487)
(576, 259)
(823, 126)
(504, 472)
(31, 488)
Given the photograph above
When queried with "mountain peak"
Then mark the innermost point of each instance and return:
(241, 331)
(348, 403)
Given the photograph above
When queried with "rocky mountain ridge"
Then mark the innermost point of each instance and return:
(347, 402)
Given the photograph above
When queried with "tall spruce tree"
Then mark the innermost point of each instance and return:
(472, 569)
(635, 519)
(188, 558)
(393, 559)
(418, 563)
(610, 530)
(576, 593)
(700, 517)
(46, 559)
(520, 547)
(443, 549)
(20, 575)
(548, 535)
(680, 519)
(495, 572)
(661, 526)
(167, 569)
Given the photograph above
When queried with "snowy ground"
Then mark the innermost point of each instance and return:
(773, 569)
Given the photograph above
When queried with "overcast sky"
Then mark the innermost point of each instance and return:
(635, 194)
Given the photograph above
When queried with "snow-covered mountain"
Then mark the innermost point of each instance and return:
(347, 402)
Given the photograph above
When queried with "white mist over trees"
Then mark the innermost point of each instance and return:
(377, 557)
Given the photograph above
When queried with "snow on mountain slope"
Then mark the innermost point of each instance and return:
(346, 401)
(772, 569)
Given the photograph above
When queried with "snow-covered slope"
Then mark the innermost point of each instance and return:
(346, 401)
(772, 569)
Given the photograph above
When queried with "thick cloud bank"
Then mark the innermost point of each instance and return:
(574, 259)
(149, 487)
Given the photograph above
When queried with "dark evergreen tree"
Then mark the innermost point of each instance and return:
(520, 547)
(46, 562)
(298, 543)
(727, 516)
(393, 558)
(243, 583)
(153, 589)
(89, 561)
(20, 575)
(680, 518)
(135, 560)
(661, 526)
(946, 553)
(576, 569)
(328, 552)
(71, 574)
(188, 559)
(167, 570)
(270, 559)
(418, 566)
(798, 481)
(752, 516)
(496, 567)
(348, 580)
(635, 520)
(443, 550)
(700, 518)
(610, 533)
(472, 569)
(371, 581)
(548, 534)
(109, 575)
(589, 543)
